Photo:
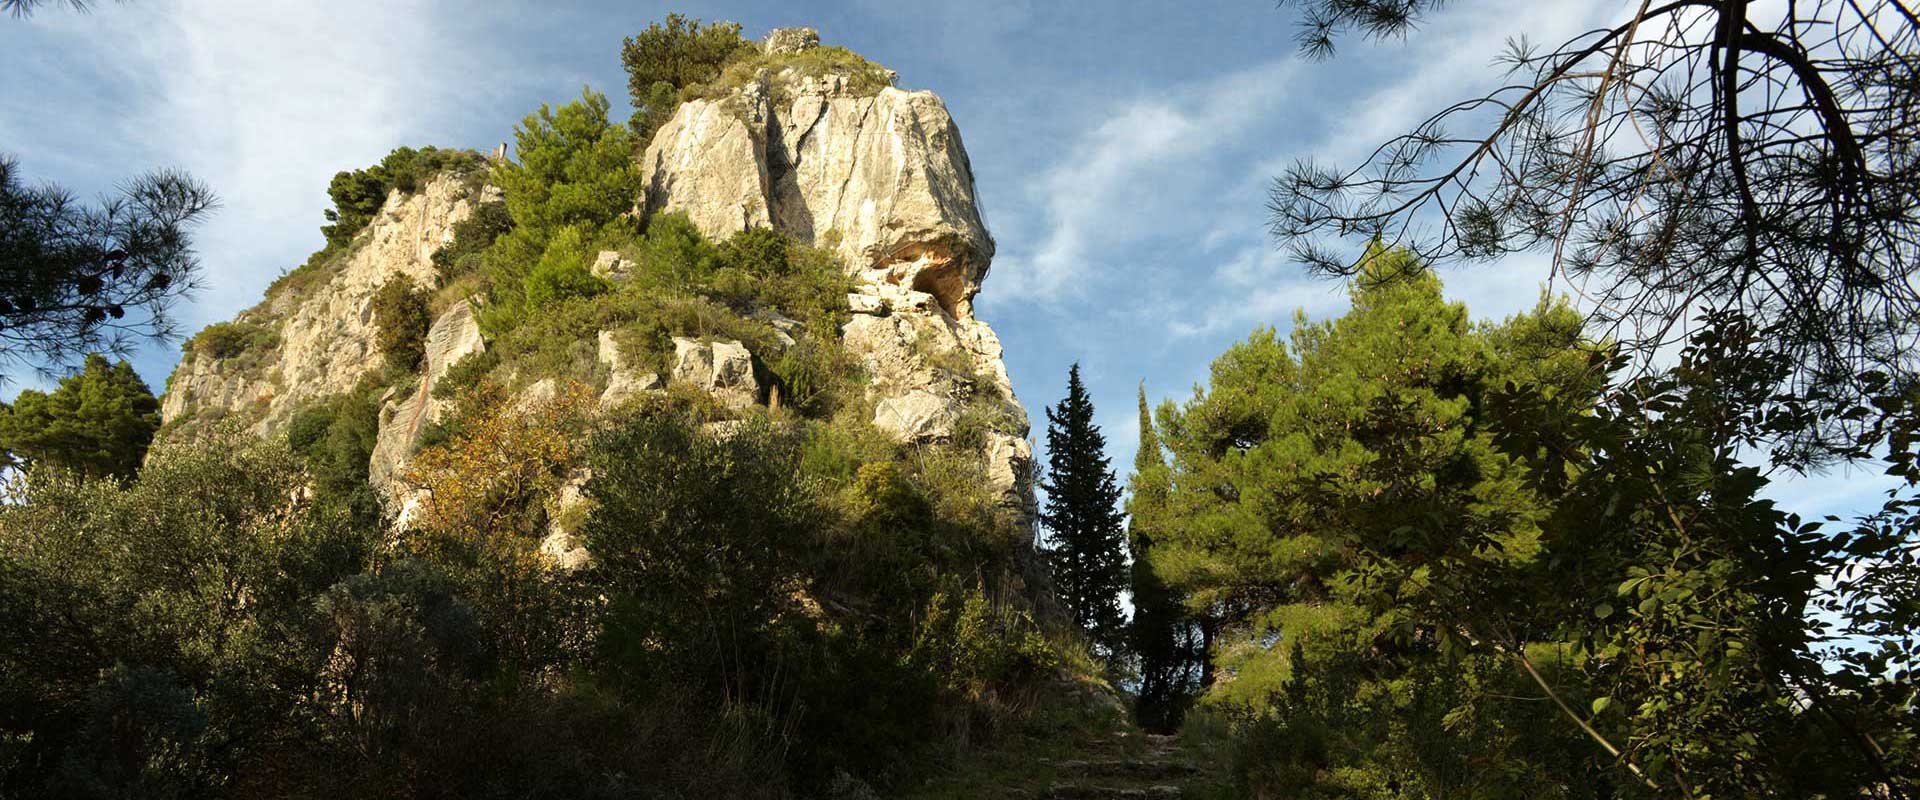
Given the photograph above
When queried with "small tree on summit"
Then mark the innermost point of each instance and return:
(1086, 545)
(666, 58)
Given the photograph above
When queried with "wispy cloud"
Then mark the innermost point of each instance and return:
(1117, 184)
(263, 101)
(266, 101)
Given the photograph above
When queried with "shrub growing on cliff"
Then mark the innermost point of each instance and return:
(400, 322)
(359, 194)
(224, 340)
(669, 57)
(471, 238)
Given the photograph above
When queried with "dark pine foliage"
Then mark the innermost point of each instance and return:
(1086, 541)
(78, 279)
(1691, 156)
(97, 423)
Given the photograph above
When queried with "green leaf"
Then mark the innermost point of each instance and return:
(1602, 611)
(1600, 704)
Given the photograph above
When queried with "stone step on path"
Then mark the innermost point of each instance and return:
(1141, 775)
(1114, 761)
(1077, 792)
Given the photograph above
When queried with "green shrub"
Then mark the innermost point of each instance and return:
(835, 451)
(400, 322)
(975, 645)
(335, 438)
(567, 195)
(816, 375)
(358, 195)
(984, 414)
(671, 56)
(224, 340)
(465, 373)
(471, 238)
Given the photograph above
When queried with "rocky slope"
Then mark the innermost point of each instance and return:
(876, 174)
(320, 326)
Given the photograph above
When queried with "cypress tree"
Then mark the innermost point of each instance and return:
(1162, 638)
(1086, 542)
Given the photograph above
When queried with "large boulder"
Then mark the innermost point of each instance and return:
(918, 416)
(723, 369)
(624, 380)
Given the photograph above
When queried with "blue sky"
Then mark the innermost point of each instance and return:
(1122, 151)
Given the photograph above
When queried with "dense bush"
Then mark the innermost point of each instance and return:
(225, 340)
(671, 56)
(157, 638)
(335, 438)
(567, 195)
(400, 322)
(871, 641)
(471, 238)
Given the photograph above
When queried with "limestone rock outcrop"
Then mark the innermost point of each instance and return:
(881, 178)
(404, 419)
(324, 324)
(831, 154)
(723, 369)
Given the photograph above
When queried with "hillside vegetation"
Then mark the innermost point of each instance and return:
(553, 474)
(791, 603)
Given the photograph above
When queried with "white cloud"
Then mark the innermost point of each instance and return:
(1259, 285)
(263, 101)
(1120, 176)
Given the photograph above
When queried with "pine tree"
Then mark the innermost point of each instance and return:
(1086, 542)
(78, 279)
(98, 422)
(1163, 639)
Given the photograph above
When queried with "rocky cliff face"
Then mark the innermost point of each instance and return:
(876, 174)
(321, 325)
(883, 179)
